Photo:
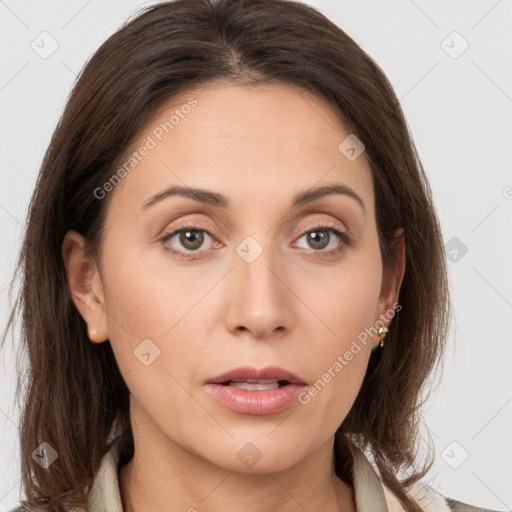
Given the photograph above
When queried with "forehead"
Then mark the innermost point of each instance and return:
(264, 142)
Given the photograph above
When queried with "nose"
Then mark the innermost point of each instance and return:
(259, 298)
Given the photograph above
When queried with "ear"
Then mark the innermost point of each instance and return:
(85, 285)
(392, 282)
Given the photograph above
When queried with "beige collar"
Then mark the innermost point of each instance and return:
(371, 494)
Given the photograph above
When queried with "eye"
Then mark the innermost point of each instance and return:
(321, 238)
(184, 241)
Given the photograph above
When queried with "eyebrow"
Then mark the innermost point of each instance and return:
(218, 200)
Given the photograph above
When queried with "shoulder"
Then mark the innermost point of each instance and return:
(431, 500)
(367, 482)
(459, 506)
(104, 495)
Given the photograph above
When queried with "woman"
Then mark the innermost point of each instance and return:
(234, 284)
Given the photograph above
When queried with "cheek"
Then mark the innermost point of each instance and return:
(344, 298)
(147, 309)
(347, 305)
(149, 296)
(157, 337)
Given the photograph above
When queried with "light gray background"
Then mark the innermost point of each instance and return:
(460, 113)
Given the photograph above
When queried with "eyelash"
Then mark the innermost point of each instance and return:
(346, 240)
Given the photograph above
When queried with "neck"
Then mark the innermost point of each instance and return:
(163, 474)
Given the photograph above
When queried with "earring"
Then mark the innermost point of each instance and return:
(92, 332)
(383, 330)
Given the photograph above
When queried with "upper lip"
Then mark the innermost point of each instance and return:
(248, 373)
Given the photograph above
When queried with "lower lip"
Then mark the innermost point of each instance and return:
(255, 402)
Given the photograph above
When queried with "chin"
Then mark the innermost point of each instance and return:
(253, 454)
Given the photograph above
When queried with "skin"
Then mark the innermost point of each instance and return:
(289, 308)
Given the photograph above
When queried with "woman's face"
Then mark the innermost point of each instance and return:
(258, 277)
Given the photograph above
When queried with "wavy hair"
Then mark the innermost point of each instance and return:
(71, 391)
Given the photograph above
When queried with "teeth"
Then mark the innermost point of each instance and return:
(259, 381)
(255, 385)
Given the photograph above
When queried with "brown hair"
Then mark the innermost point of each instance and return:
(74, 396)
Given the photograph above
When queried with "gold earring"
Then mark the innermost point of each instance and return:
(383, 330)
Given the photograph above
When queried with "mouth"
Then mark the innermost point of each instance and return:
(257, 392)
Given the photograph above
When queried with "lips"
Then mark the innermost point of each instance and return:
(247, 390)
(270, 377)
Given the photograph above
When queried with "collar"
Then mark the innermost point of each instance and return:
(370, 493)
